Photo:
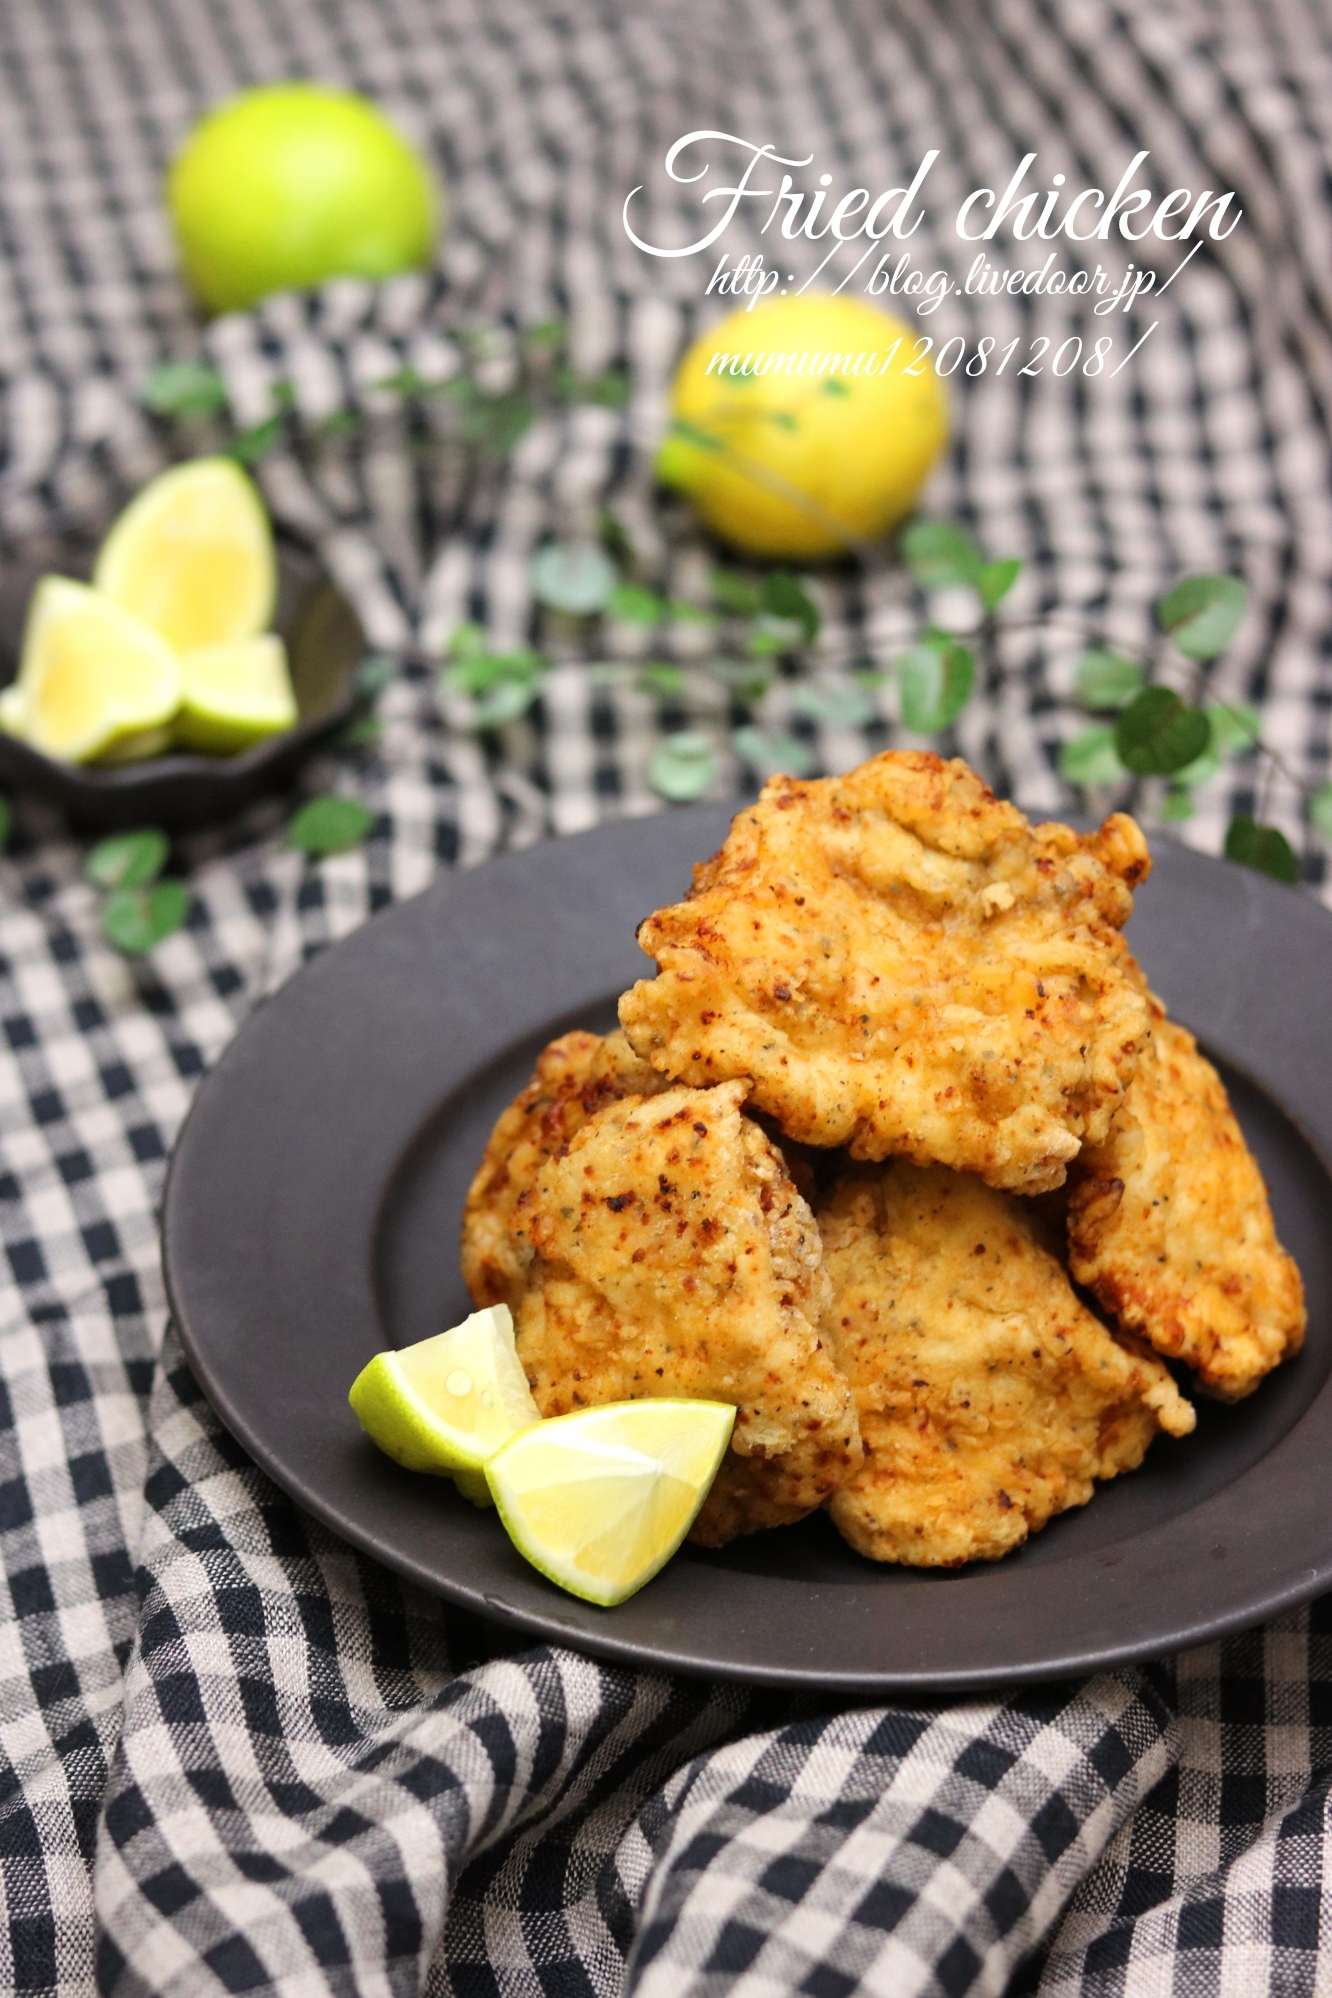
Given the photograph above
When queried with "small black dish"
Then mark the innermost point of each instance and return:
(181, 792)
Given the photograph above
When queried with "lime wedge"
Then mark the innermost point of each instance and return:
(235, 694)
(601, 1499)
(192, 555)
(91, 675)
(445, 1404)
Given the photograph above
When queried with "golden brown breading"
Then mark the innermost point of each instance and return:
(1169, 1224)
(989, 1397)
(575, 1077)
(675, 1257)
(903, 965)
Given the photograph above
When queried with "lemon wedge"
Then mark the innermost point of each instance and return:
(445, 1404)
(601, 1499)
(234, 695)
(192, 555)
(91, 675)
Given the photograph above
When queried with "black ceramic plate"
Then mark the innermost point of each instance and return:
(324, 646)
(312, 1217)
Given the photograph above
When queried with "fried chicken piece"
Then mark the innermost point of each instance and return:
(675, 1257)
(1169, 1224)
(989, 1397)
(902, 964)
(575, 1077)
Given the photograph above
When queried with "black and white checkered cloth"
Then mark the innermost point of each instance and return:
(235, 1755)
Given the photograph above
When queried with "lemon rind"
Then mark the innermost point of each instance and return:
(562, 1573)
(53, 596)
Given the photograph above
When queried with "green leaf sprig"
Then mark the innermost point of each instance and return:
(483, 419)
(329, 825)
(139, 908)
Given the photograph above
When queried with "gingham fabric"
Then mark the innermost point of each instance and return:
(234, 1755)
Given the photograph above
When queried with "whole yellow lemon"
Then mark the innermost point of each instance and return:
(798, 430)
(293, 183)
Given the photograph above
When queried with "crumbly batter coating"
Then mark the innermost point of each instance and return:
(989, 1397)
(903, 965)
(575, 1077)
(674, 1256)
(1169, 1224)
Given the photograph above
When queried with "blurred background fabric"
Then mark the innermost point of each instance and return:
(233, 1754)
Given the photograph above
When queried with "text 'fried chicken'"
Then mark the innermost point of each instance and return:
(1169, 1224)
(673, 1256)
(902, 964)
(989, 1397)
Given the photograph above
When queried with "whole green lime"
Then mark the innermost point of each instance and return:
(293, 183)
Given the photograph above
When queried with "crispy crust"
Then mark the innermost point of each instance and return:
(1169, 1224)
(989, 1397)
(675, 1257)
(575, 1077)
(903, 965)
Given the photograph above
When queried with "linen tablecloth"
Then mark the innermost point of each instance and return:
(234, 1754)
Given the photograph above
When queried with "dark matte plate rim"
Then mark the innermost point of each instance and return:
(1249, 1551)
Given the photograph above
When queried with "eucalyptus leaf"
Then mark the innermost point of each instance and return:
(1202, 614)
(1265, 848)
(608, 391)
(503, 702)
(842, 707)
(785, 596)
(1107, 680)
(364, 730)
(466, 640)
(660, 678)
(1234, 725)
(682, 766)
(768, 752)
(1201, 771)
(935, 682)
(1091, 757)
(736, 593)
(477, 672)
(615, 539)
(329, 825)
(497, 421)
(939, 555)
(184, 388)
(282, 395)
(128, 860)
(996, 579)
(1320, 810)
(773, 635)
(747, 680)
(256, 443)
(406, 381)
(1157, 734)
(574, 576)
(833, 387)
(636, 605)
(339, 423)
(134, 919)
(6, 819)
(1177, 805)
(373, 675)
(547, 333)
